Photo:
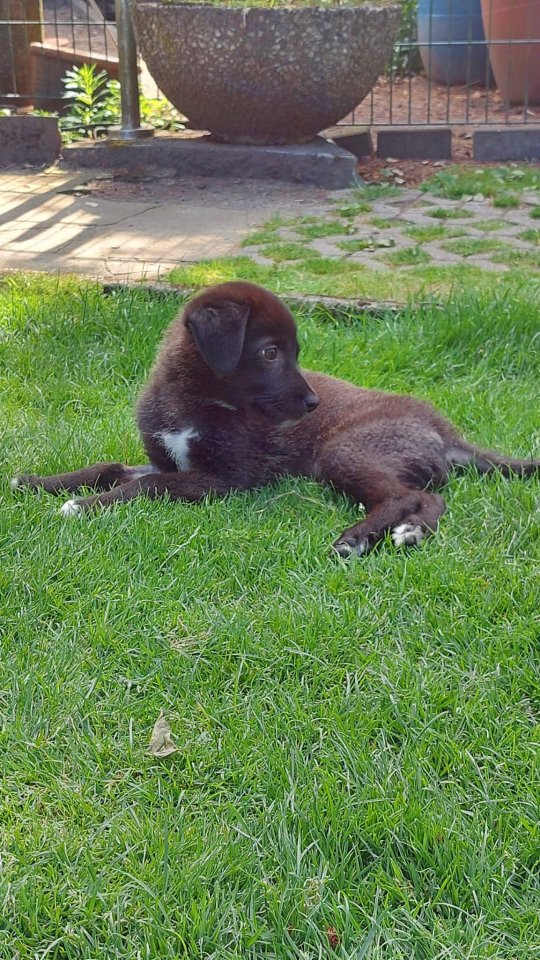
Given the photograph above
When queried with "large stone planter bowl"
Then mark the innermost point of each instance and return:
(264, 75)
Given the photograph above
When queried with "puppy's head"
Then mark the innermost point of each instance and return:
(247, 339)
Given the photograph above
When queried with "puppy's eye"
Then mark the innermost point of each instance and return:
(270, 353)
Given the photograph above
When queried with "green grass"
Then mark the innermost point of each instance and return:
(519, 258)
(412, 256)
(357, 743)
(365, 243)
(377, 191)
(427, 234)
(322, 228)
(333, 277)
(475, 246)
(266, 234)
(442, 213)
(531, 236)
(535, 213)
(456, 182)
(288, 250)
(506, 200)
(382, 223)
(490, 226)
(348, 210)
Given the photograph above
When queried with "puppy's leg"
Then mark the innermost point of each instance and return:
(409, 513)
(411, 516)
(101, 476)
(191, 485)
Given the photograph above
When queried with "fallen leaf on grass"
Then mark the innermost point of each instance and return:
(161, 744)
(333, 937)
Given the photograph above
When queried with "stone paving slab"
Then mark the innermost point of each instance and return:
(413, 209)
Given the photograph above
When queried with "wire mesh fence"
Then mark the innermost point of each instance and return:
(444, 69)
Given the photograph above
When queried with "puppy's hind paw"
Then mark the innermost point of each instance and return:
(349, 547)
(407, 535)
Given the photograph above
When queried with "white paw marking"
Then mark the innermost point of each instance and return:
(407, 535)
(70, 508)
(16, 483)
(177, 443)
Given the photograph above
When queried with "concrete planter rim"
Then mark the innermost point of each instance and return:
(265, 74)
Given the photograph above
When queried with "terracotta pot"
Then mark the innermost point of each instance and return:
(265, 74)
(516, 63)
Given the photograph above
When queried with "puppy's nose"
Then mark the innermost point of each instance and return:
(311, 401)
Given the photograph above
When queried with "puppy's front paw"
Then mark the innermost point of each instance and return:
(20, 482)
(71, 508)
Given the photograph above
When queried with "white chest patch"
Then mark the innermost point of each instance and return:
(177, 445)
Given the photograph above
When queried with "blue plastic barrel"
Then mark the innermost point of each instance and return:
(452, 42)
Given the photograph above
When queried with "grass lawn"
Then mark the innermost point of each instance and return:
(357, 764)
(322, 276)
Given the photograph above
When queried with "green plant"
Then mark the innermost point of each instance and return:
(160, 114)
(95, 102)
(406, 57)
(96, 105)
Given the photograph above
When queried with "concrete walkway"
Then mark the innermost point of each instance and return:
(111, 229)
(65, 222)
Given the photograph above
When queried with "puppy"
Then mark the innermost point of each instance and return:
(227, 408)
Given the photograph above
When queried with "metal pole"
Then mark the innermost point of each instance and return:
(129, 81)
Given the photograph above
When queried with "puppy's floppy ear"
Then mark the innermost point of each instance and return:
(218, 332)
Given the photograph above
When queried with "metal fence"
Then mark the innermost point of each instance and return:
(441, 73)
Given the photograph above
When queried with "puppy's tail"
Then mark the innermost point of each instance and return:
(487, 461)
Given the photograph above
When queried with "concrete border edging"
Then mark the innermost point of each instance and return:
(512, 143)
(28, 140)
